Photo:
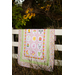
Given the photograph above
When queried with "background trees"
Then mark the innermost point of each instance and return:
(37, 14)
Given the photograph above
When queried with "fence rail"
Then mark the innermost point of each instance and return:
(58, 47)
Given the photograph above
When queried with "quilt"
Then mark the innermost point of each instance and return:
(36, 48)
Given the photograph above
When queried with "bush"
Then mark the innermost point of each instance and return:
(40, 14)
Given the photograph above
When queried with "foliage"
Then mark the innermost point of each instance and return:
(17, 18)
(47, 12)
(28, 14)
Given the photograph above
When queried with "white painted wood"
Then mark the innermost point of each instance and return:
(57, 31)
(15, 31)
(12, 45)
(15, 56)
(15, 44)
(57, 47)
(12, 49)
(56, 62)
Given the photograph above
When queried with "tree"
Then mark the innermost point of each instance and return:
(46, 12)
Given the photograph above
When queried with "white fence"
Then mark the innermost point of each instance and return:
(58, 47)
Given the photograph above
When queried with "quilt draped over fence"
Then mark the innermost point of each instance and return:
(36, 48)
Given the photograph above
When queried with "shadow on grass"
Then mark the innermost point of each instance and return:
(19, 70)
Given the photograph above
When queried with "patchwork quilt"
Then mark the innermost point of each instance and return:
(36, 48)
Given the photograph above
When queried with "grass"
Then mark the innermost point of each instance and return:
(19, 70)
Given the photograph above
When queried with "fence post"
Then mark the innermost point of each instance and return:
(12, 41)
